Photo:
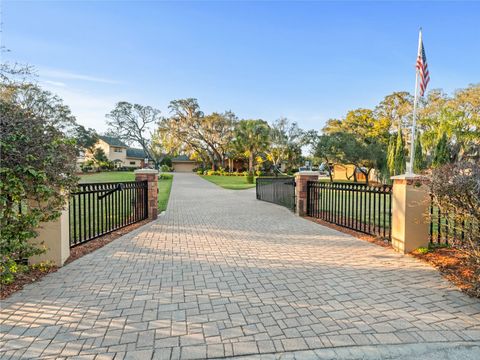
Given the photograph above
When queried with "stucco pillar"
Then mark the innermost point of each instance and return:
(410, 208)
(301, 179)
(151, 176)
(54, 237)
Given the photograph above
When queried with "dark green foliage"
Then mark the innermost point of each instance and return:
(442, 152)
(391, 154)
(419, 163)
(400, 162)
(85, 138)
(99, 155)
(166, 161)
(346, 148)
(37, 169)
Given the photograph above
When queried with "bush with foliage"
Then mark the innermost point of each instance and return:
(36, 171)
(165, 168)
(250, 178)
(456, 191)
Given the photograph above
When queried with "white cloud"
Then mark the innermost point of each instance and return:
(67, 75)
(54, 83)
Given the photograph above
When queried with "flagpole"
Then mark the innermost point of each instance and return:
(414, 122)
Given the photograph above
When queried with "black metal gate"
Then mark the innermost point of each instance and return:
(279, 190)
(360, 207)
(97, 209)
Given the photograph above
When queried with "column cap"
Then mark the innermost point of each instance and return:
(315, 173)
(145, 171)
(409, 177)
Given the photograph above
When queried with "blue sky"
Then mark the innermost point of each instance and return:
(308, 61)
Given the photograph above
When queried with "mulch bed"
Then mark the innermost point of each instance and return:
(33, 275)
(23, 279)
(455, 266)
(452, 263)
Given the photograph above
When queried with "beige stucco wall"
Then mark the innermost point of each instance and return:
(410, 206)
(54, 236)
(138, 162)
(110, 152)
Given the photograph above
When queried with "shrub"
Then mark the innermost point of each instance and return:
(166, 161)
(165, 168)
(8, 269)
(423, 250)
(456, 191)
(199, 172)
(37, 169)
(250, 178)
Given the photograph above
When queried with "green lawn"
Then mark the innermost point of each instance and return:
(229, 182)
(164, 188)
(164, 184)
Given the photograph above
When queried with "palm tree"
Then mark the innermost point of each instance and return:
(251, 139)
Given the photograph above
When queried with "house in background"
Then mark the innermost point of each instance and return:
(119, 153)
(183, 163)
(124, 156)
(345, 173)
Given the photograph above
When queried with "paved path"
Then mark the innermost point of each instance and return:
(222, 274)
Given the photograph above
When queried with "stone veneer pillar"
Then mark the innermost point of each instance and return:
(301, 179)
(151, 176)
(410, 208)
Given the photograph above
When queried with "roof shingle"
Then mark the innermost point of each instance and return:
(113, 141)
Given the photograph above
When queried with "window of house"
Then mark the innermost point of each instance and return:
(119, 150)
(132, 162)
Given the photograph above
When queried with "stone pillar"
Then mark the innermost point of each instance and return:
(301, 179)
(410, 209)
(151, 176)
(54, 237)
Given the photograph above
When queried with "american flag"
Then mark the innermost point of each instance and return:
(422, 68)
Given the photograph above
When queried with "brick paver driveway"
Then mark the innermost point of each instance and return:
(222, 274)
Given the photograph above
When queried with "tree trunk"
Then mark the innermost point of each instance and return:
(367, 176)
(250, 162)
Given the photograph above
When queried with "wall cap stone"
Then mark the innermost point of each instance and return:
(316, 173)
(408, 177)
(145, 171)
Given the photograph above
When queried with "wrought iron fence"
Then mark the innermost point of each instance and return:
(97, 209)
(445, 228)
(359, 207)
(277, 190)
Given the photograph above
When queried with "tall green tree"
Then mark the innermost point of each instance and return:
(132, 123)
(286, 141)
(400, 162)
(395, 110)
(328, 147)
(361, 122)
(346, 148)
(419, 158)
(86, 138)
(442, 152)
(392, 143)
(251, 139)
